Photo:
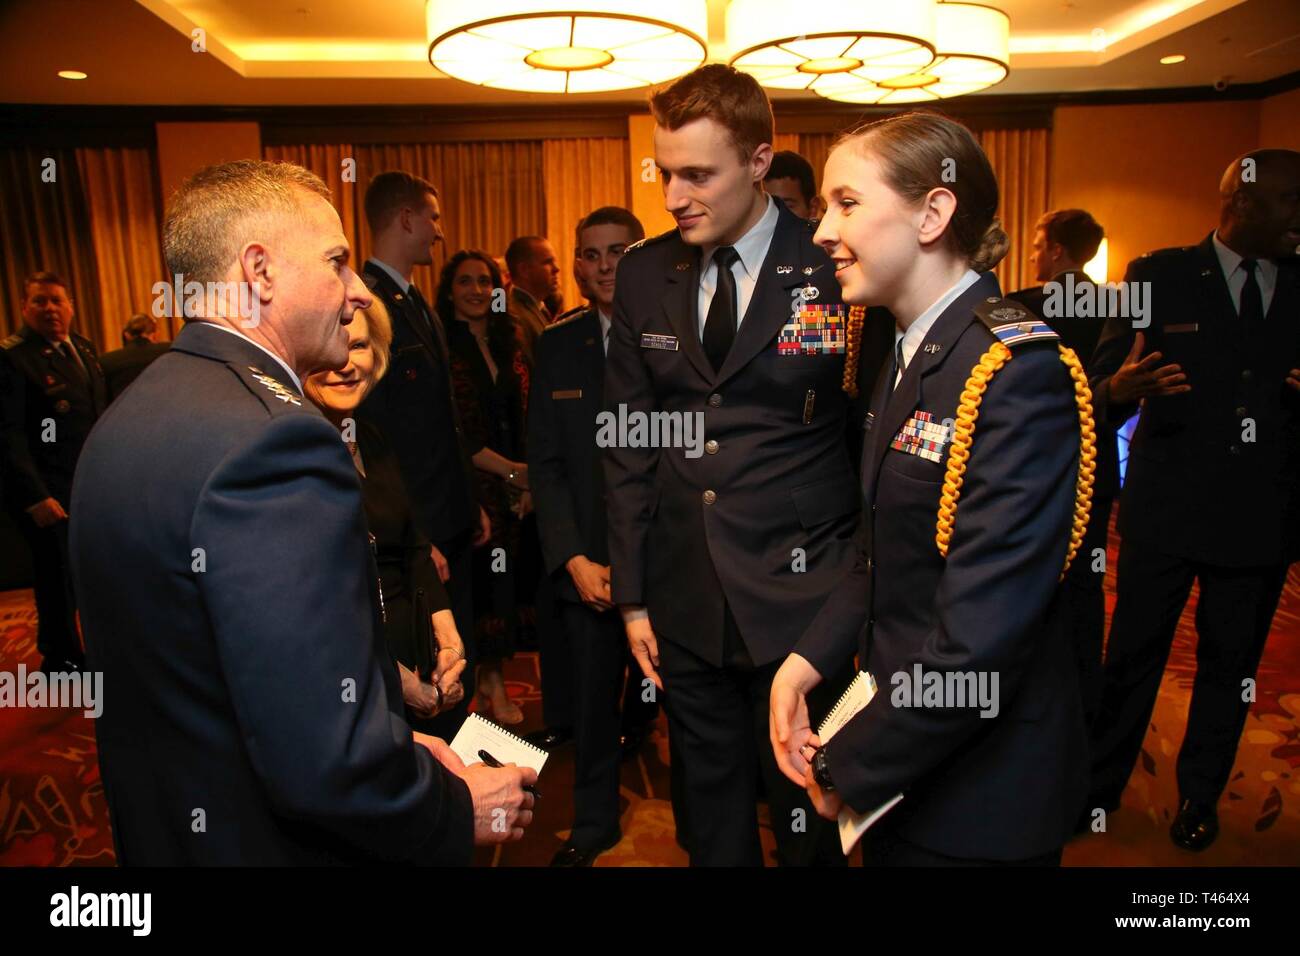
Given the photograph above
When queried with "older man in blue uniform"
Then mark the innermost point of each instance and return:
(219, 549)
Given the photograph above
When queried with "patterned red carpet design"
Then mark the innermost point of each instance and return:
(53, 813)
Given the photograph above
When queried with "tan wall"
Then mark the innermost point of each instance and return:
(1279, 121)
(185, 148)
(1149, 174)
(647, 197)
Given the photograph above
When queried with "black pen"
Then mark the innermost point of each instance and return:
(492, 761)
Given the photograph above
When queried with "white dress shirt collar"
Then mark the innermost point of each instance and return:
(1235, 276)
(917, 331)
(403, 283)
(281, 362)
(752, 246)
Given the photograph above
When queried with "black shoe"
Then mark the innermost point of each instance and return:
(549, 737)
(1195, 827)
(631, 740)
(570, 855)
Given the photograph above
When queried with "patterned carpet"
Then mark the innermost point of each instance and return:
(52, 809)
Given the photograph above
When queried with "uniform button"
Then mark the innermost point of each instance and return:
(711, 447)
(1241, 411)
(1234, 449)
(715, 400)
(1246, 375)
(710, 497)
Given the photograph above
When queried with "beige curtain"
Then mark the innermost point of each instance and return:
(1019, 159)
(125, 231)
(44, 227)
(489, 192)
(580, 175)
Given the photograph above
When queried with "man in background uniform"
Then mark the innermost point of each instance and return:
(51, 392)
(122, 366)
(534, 279)
(1212, 473)
(413, 404)
(1065, 240)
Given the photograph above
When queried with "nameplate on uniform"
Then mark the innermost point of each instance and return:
(922, 436)
(816, 330)
(567, 393)
(1181, 327)
(666, 343)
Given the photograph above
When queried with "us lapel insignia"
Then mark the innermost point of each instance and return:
(784, 270)
(682, 266)
(931, 349)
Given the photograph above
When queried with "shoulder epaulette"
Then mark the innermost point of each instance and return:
(1171, 251)
(568, 314)
(1012, 323)
(649, 241)
(567, 319)
(11, 341)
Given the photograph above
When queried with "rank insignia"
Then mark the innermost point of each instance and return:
(922, 436)
(818, 330)
(276, 387)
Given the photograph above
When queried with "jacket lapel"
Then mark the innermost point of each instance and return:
(770, 305)
(933, 352)
(681, 303)
(381, 282)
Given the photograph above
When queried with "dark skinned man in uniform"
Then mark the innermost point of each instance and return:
(1212, 473)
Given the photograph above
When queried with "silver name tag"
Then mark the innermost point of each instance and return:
(667, 343)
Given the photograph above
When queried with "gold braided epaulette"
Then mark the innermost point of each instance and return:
(1012, 325)
(853, 349)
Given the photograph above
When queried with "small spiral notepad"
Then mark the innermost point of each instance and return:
(478, 734)
(853, 825)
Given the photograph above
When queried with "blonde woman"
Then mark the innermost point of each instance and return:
(408, 579)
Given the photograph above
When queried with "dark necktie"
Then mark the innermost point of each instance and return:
(899, 365)
(1252, 300)
(66, 350)
(720, 324)
(431, 324)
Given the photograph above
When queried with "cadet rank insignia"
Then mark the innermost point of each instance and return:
(922, 436)
(818, 330)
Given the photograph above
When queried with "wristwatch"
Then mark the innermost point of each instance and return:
(821, 773)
